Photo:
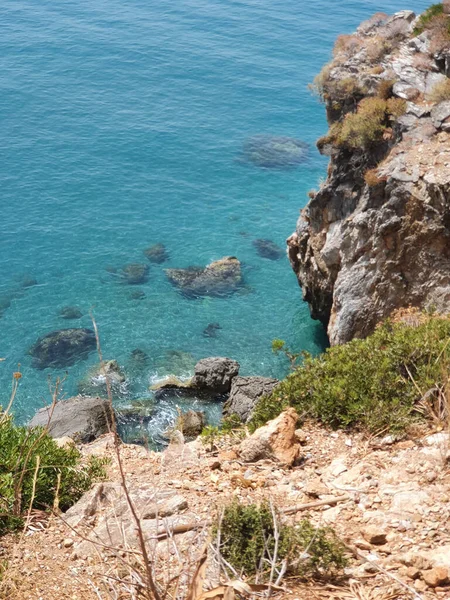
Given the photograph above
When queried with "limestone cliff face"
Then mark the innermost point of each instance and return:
(376, 235)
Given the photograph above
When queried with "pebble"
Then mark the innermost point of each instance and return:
(435, 577)
(374, 535)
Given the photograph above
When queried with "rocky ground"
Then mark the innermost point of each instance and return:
(389, 501)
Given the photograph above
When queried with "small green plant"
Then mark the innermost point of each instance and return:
(293, 357)
(374, 383)
(230, 423)
(210, 435)
(35, 472)
(252, 538)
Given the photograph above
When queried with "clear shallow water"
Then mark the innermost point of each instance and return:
(121, 126)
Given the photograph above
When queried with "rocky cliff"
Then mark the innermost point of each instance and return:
(376, 236)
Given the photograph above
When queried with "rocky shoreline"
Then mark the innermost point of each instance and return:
(216, 379)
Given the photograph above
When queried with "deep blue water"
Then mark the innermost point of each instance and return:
(122, 123)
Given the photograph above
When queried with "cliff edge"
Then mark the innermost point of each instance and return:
(376, 236)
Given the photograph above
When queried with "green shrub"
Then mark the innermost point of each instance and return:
(59, 473)
(370, 384)
(367, 125)
(247, 537)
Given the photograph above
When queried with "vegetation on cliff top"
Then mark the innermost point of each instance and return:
(381, 383)
(35, 473)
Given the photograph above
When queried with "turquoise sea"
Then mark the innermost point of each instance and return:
(122, 126)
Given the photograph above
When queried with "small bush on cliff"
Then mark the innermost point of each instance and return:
(377, 383)
(248, 539)
(440, 92)
(368, 124)
(34, 471)
(372, 178)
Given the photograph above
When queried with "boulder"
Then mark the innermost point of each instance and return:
(268, 249)
(80, 418)
(134, 273)
(274, 152)
(156, 253)
(215, 374)
(440, 115)
(220, 278)
(244, 395)
(94, 384)
(114, 523)
(276, 439)
(191, 423)
(62, 348)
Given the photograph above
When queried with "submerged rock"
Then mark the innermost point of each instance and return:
(28, 281)
(70, 312)
(137, 295)
(244, 395)
(62, 348)
(275, 152)
(5, 303)
(211, 330)
(139, 357)
(220, 278)
(268, 249)
(94, 384)
(81, 418)
(134, 273)
(215, 374)
(157, 253)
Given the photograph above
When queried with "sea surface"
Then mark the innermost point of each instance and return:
(122, 126)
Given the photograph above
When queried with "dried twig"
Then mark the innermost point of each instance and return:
(308, 505)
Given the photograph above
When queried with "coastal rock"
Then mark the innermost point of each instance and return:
(191, 423)
(220, 278)
(134, 273)
(70, 312)
(62, 348)
(274, 152)
(94, 384)
(244, 395)
(374, 239)
(215, 374)
(156, 253)
(268, 249)
(276, 439)
(81, 418)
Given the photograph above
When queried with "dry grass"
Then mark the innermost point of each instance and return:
(372, 178)
(440, 92)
